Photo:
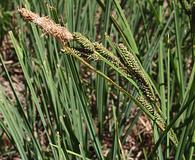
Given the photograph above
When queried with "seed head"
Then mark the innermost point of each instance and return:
(47, 25)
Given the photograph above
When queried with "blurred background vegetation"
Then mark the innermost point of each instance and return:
(53, 107)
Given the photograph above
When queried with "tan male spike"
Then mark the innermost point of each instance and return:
(47, 25)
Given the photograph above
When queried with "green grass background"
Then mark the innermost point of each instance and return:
(160, 34)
